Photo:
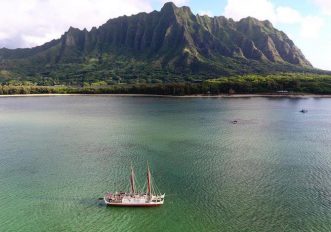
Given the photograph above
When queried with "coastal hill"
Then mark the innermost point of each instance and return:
(168, 45)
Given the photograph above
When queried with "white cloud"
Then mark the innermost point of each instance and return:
(288, 15)
(310, 26)
(317, 50)
(26, 23)
(325, 6)
(260, 9)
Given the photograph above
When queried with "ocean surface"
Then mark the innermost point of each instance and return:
(269, 172)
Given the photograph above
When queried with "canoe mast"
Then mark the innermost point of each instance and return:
(132, 177)
(148, 180)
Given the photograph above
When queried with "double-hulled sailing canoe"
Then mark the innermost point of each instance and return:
(150, 197)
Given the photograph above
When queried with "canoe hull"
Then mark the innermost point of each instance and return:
(133, 204)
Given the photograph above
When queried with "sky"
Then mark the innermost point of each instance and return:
(28, 23)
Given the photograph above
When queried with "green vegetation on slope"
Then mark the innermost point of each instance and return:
(170, 46)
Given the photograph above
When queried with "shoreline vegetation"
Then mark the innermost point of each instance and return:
(283, 84)
(302, 95)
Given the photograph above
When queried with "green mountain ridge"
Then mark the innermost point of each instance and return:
(168, 45)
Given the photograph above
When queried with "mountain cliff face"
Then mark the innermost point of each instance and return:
(173, 39)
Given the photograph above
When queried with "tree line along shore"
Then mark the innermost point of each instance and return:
(283, 83)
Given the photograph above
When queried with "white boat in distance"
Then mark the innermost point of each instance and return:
(135, 198)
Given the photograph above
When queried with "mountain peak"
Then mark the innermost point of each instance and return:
(172, 39)
(73, 29)
(168, 6)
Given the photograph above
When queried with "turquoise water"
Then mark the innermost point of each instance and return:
(269, 172)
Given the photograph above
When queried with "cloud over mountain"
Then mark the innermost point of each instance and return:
(33, 22)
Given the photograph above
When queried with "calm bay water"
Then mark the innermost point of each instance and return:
(269, 172)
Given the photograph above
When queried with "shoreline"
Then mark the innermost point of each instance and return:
(173, 96)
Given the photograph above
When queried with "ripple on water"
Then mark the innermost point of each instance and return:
(269, 172)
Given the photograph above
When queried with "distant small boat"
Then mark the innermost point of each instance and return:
(134, 198)
(303, 111)
(234, 122)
